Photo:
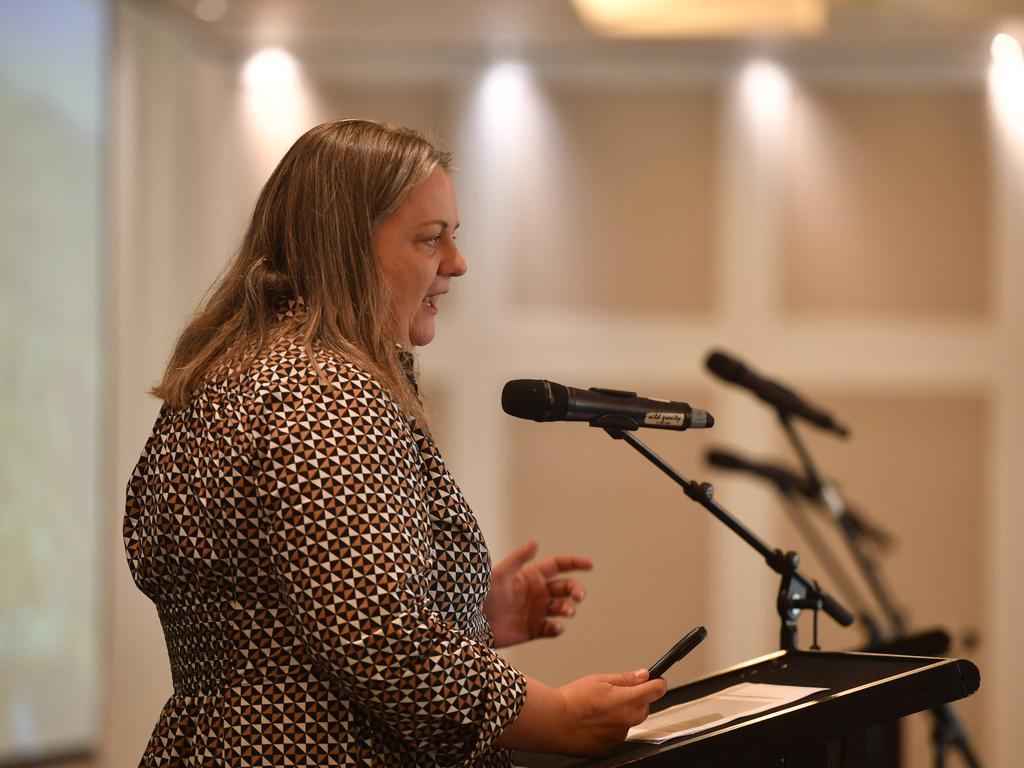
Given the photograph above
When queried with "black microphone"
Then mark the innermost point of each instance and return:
(542, 400)
(787, 481)
(732, 370)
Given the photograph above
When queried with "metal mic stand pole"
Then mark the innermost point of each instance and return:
(796, 591)
(947, 729)
(949, 732)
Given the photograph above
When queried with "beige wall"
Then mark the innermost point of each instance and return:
(888, 201)
(859, 248)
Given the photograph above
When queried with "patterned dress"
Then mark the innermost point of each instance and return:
(318, 576)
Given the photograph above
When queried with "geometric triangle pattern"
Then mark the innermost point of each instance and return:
(318, 576)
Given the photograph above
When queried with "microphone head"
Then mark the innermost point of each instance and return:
(725, 460)
(534, 399)
(725, 367)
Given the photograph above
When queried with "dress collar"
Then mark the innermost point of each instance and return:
(294, 307)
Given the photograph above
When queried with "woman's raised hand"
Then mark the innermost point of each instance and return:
(528, 599)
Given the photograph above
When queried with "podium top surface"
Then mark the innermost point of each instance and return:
(862, 689)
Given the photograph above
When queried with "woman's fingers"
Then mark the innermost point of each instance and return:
(556, 564)
(624, 679)
(639, 697)
(519, 557)
(636, 686)
(552, 628)
(561, 608)
(569, 588)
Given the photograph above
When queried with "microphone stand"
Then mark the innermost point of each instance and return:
(796, 591)
(947, 730)
(851, 535)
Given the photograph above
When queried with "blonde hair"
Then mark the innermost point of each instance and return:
(311, 239)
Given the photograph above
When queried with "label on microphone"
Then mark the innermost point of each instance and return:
(659, 419)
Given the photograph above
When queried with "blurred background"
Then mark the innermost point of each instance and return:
(831, 190)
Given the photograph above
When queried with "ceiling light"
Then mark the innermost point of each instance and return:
(693, 18)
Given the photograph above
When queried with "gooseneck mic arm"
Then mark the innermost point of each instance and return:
(796, 592)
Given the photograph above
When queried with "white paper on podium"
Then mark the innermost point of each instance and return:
(717, 709)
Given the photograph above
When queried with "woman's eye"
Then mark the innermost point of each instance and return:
(433, 241)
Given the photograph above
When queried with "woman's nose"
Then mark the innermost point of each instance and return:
(454, 264)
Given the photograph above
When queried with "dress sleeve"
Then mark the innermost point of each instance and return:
(351, 548)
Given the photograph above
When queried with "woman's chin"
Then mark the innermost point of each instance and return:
(421, 333)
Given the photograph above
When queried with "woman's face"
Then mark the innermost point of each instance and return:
(418, 255)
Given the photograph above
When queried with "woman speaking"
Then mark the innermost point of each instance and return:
(326, 595)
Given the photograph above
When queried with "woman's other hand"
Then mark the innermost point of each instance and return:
(600, 709)
(588, 717)
(528, 600)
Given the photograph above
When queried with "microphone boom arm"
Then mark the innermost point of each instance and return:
(796, 592)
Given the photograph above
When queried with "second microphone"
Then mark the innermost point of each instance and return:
(542, 400)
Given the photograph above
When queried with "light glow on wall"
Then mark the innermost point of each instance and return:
(1006, 50)
(511, 133)
(271, 71)
(766, 92)
(508, 104)
(517, 131)
(276, 105)
(1006, 85)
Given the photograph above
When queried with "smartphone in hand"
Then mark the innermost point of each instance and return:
(691, 640)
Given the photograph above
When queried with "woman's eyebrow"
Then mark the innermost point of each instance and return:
(444, 224)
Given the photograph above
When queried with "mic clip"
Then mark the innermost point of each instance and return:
(610, 422)
(613, 422)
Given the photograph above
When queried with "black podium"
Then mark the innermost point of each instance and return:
(826, 729)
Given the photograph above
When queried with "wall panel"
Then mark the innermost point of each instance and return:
(633, 225)
(886, 202)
